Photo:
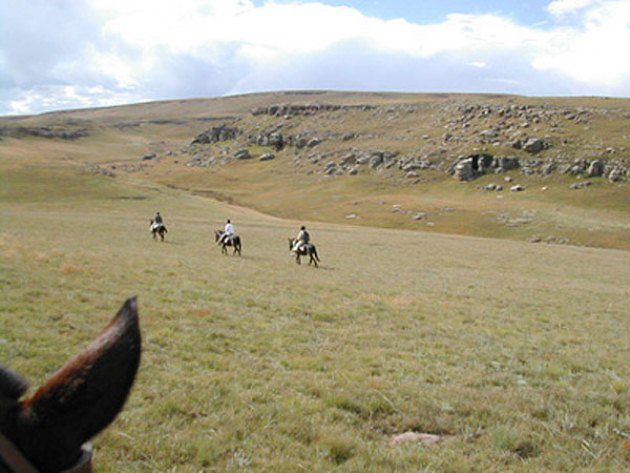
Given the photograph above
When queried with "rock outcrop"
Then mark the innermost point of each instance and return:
(216, 135)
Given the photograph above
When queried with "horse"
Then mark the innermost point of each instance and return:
(158, 230)
(46, 432)
(234, 241)
(305, 250)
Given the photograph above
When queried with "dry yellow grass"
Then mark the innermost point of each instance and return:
(517, 350)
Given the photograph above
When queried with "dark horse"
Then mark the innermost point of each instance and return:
(158, 230)
(45, 432)
(305, 250)
(234, 241)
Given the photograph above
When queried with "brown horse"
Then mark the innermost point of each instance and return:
(305, 250)
(45, 432)
(158, 230)
(234, 241)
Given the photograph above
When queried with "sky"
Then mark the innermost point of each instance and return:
(61, 54)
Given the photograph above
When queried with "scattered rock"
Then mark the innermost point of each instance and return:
(243, 154)
(313, 142)
(419, 216)
(376, 160)
(615, 175)
(506, 163)
(464, 170)
(44, 132)
(580, 185)
(267, 157)
(493, 188)
(216, 135)
(517, 188)
(417, 437)
(534, 145)
(548, 169)
(149, 157)
(595, 169)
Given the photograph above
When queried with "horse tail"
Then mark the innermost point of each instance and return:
(237, 242)
(315, 253)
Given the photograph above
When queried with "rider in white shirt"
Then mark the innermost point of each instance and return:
(228, 231)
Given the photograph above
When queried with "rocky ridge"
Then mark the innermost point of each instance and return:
(534, 133)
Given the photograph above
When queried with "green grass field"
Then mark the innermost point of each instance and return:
(453, 324)
(119, 136)
(518, 351)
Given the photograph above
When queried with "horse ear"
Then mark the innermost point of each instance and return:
(12, 385)
(85, 395)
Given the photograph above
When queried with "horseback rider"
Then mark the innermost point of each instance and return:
(302, 238)
(228, 232)
(157, 221)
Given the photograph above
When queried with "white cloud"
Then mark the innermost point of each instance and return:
(157, 49)
(593, 53)
(564, 7)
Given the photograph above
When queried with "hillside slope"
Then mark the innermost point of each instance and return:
(368, 158)
(516, 352)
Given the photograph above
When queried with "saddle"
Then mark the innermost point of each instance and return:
(229, 238)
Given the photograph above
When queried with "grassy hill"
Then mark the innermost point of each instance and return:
(434, 128)
(516, 351)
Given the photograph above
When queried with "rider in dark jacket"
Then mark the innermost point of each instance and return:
(302, 238)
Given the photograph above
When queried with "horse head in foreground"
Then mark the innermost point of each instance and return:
(307, 249)
(232, 240)
(158, 229)
(46, 432)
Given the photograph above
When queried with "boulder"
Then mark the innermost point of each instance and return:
(277, 141)
(484, 163)
(267, 157)
(376, 160)
(464, 170)
(348, 159)
(534, 145)
(507, 163)
(580, 185)
(595, 169)
(615, 175)
(548, 169)
(243, 154)
(493, 188)
(215, 135)
(517, 188)
(313, 142)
